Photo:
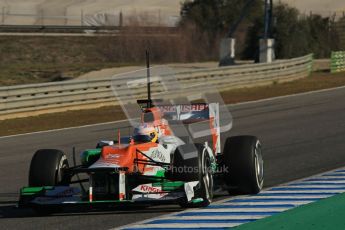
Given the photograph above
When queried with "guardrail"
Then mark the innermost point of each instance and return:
(83, 28)
(34, 99)
(338, 61)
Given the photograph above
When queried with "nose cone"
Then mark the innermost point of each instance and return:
(124, 156)
(121, 156)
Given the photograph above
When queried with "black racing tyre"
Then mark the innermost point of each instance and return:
(179, 171)
(48, 168)
(242, 157)
(203, 174)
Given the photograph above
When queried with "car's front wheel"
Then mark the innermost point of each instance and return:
(197, 169)
(48, 168)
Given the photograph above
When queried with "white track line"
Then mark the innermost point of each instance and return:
(63, 129)
(186, 226)
(339, 186)
(287, 96)
(271, 202)
(224, 217)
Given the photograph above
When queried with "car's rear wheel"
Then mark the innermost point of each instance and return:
(48, 168)
(242, 157)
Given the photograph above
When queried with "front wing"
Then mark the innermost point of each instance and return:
(73, 196)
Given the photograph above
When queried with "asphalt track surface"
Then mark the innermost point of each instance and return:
(302, 135)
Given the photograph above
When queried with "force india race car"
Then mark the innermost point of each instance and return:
(154, 164)
(151, 166)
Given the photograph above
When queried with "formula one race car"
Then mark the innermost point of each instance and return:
(150, 166)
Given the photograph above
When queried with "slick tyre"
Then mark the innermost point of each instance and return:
(203, 174)
(48, 168)
(242, 156)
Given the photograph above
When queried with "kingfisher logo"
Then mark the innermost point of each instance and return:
(147, 188)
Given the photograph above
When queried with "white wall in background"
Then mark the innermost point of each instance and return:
(69, 12)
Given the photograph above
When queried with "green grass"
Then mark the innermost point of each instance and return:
(324, 214)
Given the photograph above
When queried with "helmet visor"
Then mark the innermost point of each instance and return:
(142, 138)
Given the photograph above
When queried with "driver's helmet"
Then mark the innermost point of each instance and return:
(145, 133)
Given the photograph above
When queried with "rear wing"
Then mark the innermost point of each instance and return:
(196, 115)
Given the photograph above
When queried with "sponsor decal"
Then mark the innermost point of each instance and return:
(104, 164)
(59, 192)
(58, 195)
(156, 154)
(194, 107)
(183, 108)
(148, 188)
(167, 108)
(112, 156)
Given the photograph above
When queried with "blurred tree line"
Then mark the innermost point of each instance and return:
(295, 34)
